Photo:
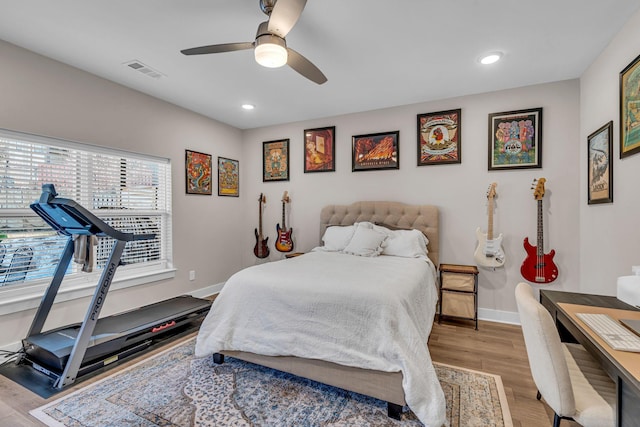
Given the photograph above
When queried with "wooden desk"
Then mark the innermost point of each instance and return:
(622, 367)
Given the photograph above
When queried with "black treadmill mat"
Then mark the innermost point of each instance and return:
(42, 385)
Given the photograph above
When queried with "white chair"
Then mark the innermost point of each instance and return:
(572, 383)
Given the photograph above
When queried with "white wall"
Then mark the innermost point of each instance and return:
(458, 190)
(46, 97)
(609, 233)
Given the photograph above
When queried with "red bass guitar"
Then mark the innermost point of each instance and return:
(284, 243)
(538, 267)
(261, 249)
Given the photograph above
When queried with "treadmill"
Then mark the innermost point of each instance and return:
(69, 352)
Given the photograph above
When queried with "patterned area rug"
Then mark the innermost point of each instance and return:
(174, 388)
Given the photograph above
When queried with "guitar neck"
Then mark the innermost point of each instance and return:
(540, 241)
(490, 224)
(284, 226)
(260, 219)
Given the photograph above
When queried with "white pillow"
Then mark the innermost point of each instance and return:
(406, 243)
(336, 238)
(393, 228)
(365, 242)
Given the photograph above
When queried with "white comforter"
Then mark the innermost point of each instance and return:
(373, 313)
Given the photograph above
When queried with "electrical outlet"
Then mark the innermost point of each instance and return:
(192, 275)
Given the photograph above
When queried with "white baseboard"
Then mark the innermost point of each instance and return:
(510, 317)
(208, 291)
(14, 346)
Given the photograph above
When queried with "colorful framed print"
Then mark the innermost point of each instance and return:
(439, 138)
(275, 160)
(198, 172)
(600, 165)
(228, 177)
(515, 139)
(375, 151)
(320, 149)
(630, 109)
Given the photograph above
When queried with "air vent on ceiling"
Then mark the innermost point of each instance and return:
(144, 69)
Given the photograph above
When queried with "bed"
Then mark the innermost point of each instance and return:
(392, 364)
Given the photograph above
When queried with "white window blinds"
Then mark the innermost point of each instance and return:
(131, 192)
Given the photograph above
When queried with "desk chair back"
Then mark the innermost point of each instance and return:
(546, 354)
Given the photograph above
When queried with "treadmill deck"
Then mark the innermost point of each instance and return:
(114, 333)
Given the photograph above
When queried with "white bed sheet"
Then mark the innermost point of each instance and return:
(368, 312)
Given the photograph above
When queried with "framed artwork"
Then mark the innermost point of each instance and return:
(600, 166)
(275, 160)
(198, 172)
(228, 177)
(375, 151)
(630, 109)
(515, 139)
(439, 138)
(320, 150)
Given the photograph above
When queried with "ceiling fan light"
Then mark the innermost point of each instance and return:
(271, 52)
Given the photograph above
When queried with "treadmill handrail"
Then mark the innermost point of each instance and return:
(68, 217)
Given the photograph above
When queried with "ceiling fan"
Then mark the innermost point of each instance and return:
(270, 47)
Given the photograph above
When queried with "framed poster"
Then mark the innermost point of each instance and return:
(600, 166)
(515, 139)
(375, 151)
(439, 138)
(198, 172)
(228, 177)
(275, 160)
(320, 150)
(630, 109)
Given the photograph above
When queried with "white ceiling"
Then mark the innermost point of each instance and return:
(375, 53)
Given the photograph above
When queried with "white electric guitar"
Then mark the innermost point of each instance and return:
(489, 252)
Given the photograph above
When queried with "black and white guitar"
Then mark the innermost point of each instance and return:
(489, 252)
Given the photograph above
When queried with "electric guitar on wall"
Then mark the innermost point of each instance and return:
(538, 267)
(261, 249)
(284, 243)
(489, 252)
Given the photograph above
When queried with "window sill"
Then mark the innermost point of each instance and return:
(26, 298)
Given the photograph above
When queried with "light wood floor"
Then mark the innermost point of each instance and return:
(495, 348)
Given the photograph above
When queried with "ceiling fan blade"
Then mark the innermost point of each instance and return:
(303, 66)
(284, 16)
(217, 48)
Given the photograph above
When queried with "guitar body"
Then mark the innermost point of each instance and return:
(261, 249)
(489, 253)
(538, 268)
(284, 243)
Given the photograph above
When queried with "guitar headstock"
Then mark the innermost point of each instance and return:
(285, 197)
(538, 191)
(491, 191)
(262, 198)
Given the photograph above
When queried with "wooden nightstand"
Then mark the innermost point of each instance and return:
(459, 292)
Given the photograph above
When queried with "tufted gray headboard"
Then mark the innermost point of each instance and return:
(420, 217)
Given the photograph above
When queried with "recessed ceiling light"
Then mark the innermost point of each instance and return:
(490, 58)
(248, 106)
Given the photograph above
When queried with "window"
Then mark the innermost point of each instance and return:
(131, 192)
